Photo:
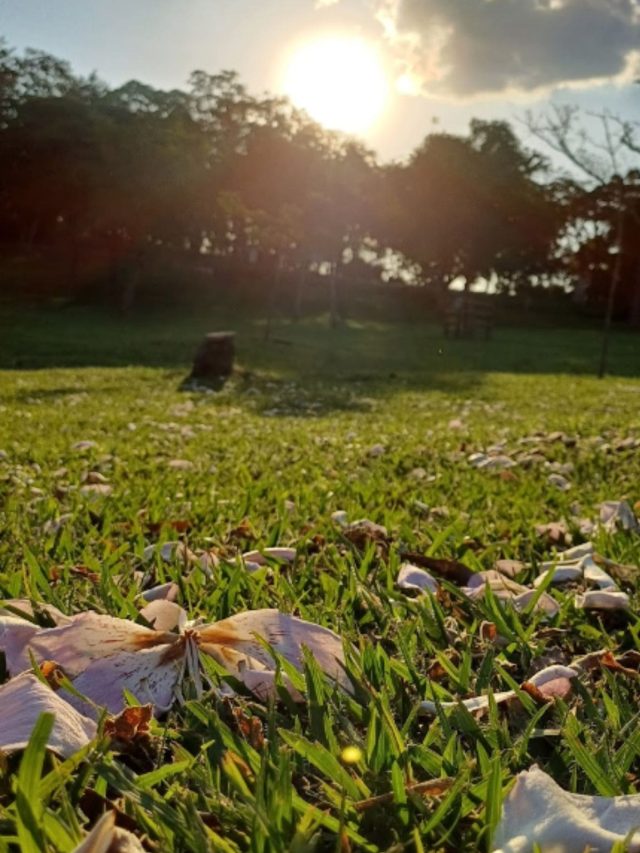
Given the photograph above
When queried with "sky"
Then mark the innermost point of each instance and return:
(437, 63)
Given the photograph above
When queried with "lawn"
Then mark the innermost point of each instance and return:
(104, 455)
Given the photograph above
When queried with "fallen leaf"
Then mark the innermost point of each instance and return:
(180, 525)
(131, 723)
(431, 788)
(451, 570)
(362, 533)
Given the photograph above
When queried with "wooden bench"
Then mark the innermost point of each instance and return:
(466, 319)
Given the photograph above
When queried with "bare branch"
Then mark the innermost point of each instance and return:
(560, 130)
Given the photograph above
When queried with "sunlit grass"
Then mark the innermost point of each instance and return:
(284, 452)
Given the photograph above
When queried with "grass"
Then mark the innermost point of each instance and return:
(282, 447)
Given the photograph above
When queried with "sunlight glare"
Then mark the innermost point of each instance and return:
(339, 81)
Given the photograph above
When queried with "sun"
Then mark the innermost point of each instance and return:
(339, 80)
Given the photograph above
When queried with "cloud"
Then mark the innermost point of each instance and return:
(468, 48)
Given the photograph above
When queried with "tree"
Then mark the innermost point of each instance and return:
(470, 207)
(603, 161)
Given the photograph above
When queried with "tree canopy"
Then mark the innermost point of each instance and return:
(215, 172)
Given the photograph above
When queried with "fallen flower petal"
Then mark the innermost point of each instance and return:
(553, 681)
(92, 636)
(15, 636)
(22, 700)
(280, 555)
(559, 482)
(19, 606)
(286, 634)
(104, 656)
(585, 549)
(164, 615)
(538, 814)
(170, 551)
(545, 602)
(411, 577)
(509, 568)
(164, 592)
(547, 682)
(560, 574)
(106, 837)
(475, 703)
(340, 517)
(594, 574)
(616, 515)
(603, 600)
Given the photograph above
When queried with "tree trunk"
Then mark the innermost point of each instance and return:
(333, 297)
(300, 285)
(271, 302)
(634, 314)
(611, 296)
(215, 356)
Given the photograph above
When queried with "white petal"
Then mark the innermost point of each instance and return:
(24, 605)
(92, 636)
(605, 599)
(164, 615)
(280, 555)
(539, 812)
(151, 675)
(576, 553)
(545, 602)
(170, 552)
(618, 515)
(559, 482)
(15, 636)
(475, 703)
(553, 673)
(165, 591)
(594, 574)
(561, 574)
(106, 836)
(263, 683)
(285, 633)
(22, 700)
(479, 703)
(412, 577)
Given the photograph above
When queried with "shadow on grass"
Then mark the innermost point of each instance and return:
(340, 365)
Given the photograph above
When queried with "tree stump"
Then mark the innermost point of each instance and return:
(214, 358)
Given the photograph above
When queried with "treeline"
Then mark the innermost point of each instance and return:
(103, 191)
